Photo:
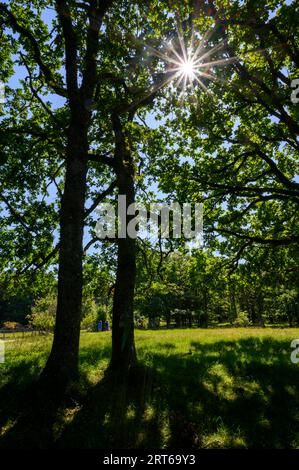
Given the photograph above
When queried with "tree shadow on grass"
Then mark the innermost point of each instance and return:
(13, 392)
(239, 393)
(31, 410)
(108, 415)
(225, 394)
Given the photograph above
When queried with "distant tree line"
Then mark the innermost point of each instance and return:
(189, 289)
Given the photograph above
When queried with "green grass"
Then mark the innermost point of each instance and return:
(218, 388)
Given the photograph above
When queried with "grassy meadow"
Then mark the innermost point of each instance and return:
(217, 388)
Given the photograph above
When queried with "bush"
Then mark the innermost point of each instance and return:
(42, 315)
(103, 313)
(141, 322)
(242, 320)
(11, 325)
(92, 314)
(89, 314)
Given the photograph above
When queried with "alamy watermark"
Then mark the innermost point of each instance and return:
(295, 93)
(295, 353)
(158, 220)
(2, 93)
(2, 352)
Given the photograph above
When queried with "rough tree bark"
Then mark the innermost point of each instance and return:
(123, 345)
(62, 364)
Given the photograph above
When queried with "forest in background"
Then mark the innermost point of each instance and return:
(186, 289)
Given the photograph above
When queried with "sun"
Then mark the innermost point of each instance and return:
(190, 64)
(188, 69)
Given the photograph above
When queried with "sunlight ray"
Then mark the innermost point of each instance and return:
(230, 60)
(172, 49)
(181, 39)
(208, 34)
(186, 66)
(210, 52)
(180, 79)
(185, 81)
(202, 85)
(163, 56)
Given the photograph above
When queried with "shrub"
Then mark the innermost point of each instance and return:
(11, 325)
(141, 322)
(92, 314)
(242, 320)
(89, 314)
(42, 315)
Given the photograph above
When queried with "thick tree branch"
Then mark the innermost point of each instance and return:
(100, 198)
(250, 191)
(70, 40)
(101, 158)
(96, 11)
(262, 241)
(16, 215)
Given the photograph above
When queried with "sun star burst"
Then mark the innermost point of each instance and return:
(188, 68)
(192, 64)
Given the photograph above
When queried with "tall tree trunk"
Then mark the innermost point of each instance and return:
(204, 319)
(260, 310)
(123, 345)
(233, 311)
(62, 364)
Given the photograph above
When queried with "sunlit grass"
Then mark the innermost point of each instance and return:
(229, 387)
